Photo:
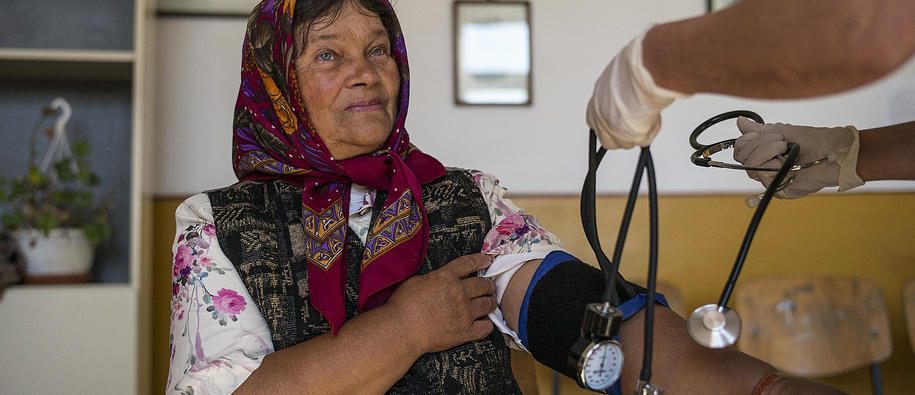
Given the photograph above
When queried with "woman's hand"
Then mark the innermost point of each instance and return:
(445, 308)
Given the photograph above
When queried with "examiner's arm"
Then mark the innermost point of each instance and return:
(888, 153)
(755, 48)
(782, 48)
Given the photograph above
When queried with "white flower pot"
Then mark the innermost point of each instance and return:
(64, 255)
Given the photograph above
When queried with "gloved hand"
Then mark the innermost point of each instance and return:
(761, 144)
(625, 108)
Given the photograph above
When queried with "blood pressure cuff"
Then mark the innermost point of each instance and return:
(554, 306)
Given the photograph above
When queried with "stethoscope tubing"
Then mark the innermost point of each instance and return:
(790, 160)
(610, 268)
(645, 374)
(703, 152)
(694, 136)
(701, 157)
(589, 219)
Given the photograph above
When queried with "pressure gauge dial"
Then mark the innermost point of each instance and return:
(596, 356)
(601, 365)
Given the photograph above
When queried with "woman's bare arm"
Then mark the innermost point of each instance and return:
(679, 365)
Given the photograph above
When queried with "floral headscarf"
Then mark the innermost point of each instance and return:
(273, 139)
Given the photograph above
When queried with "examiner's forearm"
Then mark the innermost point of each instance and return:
(887, 153)
(368, 355)
(782, 48)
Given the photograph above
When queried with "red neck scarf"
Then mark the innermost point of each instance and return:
(273, 139)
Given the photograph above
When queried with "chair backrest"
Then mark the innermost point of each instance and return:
(908, 309)
(814, 326)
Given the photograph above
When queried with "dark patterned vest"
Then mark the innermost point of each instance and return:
(259, 227)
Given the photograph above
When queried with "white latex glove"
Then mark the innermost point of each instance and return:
(761, 144)
(625, 108)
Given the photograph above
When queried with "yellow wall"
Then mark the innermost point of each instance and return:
(868, 235)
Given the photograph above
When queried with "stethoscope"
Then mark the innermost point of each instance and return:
(713, 325)
(703, 154)
(597, 355)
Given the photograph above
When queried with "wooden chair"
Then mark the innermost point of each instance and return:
(908, 309)
(815, 326)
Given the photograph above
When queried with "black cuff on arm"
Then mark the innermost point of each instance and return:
(556, 308)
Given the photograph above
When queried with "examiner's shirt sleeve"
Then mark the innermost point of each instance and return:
(217, 336)
(515, 238)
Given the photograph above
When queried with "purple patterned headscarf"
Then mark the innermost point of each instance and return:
(273, 139)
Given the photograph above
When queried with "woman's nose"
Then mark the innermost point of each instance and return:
(362, 73)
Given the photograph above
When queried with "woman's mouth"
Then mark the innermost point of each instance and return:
(365, 105)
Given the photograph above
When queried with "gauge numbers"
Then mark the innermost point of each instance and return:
(602, 365)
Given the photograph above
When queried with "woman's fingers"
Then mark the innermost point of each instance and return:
(467, 264)
(480, 328)
(446, 306)
(480, 307)
(478, 286)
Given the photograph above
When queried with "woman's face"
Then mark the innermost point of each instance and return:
(349, 82)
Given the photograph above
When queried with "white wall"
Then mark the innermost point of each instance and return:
(69, 339)
(536, 149)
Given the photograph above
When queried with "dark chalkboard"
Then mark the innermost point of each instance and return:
(67, 24)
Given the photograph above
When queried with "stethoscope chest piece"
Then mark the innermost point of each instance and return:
(714, 326)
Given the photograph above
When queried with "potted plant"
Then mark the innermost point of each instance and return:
(53, 214)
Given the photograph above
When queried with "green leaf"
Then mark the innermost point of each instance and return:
(46, 222)
(80, 148)
(35, 176)
(16, 190)
(97, 232)
(12, 220)
(64, 170)
(81, 200)
(91, 179)
(61, 197)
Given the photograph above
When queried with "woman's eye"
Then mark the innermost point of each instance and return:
(378, 51)
(326, 56)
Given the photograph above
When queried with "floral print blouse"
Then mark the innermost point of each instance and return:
(218, 336)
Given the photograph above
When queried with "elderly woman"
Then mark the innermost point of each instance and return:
(345, 259)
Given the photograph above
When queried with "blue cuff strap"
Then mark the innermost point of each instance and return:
(632, 306)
